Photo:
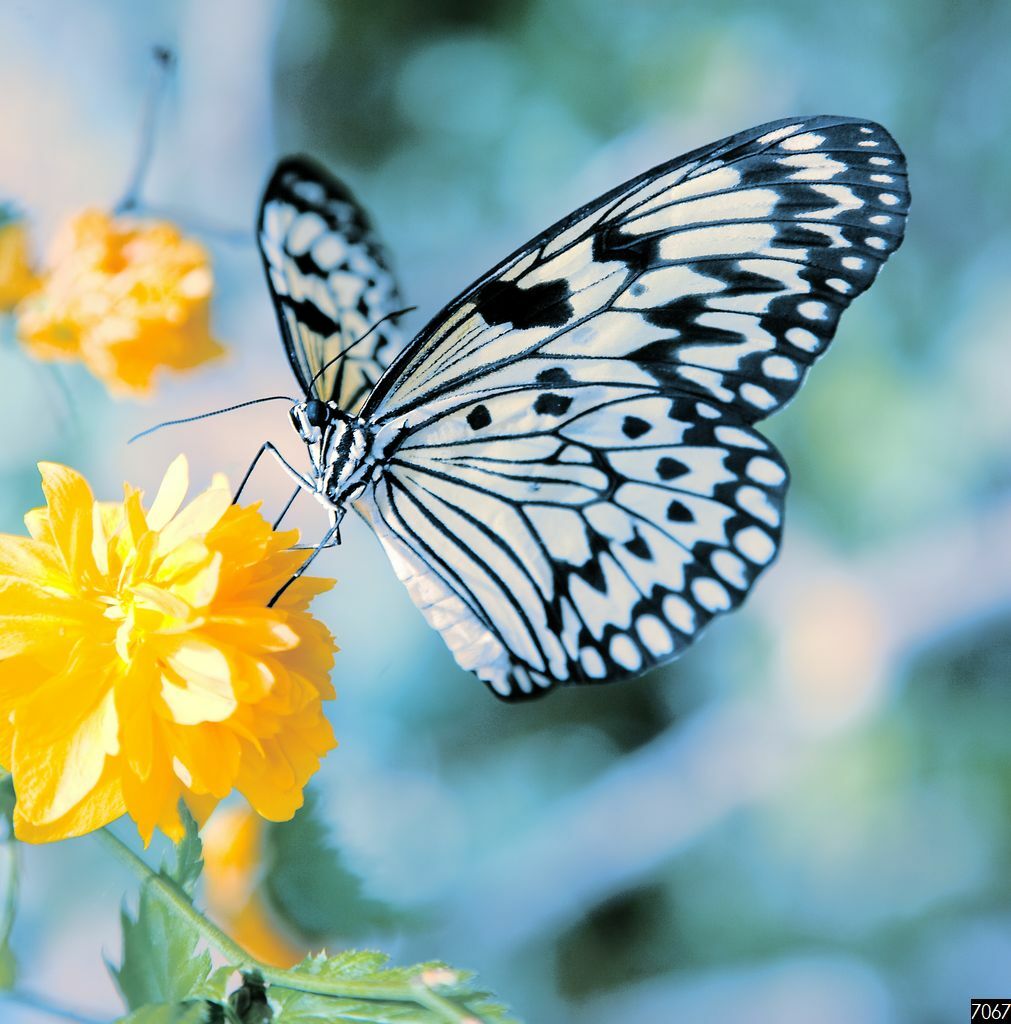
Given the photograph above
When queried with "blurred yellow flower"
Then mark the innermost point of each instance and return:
(126, 297)
(233, 863)
(17, 278)
(140, 664)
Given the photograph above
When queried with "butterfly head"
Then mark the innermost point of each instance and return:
(311, 419)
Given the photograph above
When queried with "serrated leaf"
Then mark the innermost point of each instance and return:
(291, 1006)
(348, 964)
(167, 1013)
(215, 986)
(309, 885)
(160, 959)
(189, 855)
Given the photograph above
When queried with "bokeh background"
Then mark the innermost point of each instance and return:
(808, 817)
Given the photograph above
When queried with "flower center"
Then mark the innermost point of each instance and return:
(142, 610)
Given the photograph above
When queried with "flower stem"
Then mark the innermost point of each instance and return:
(164, 61)
(414, 991)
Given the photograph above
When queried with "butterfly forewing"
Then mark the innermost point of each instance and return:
(330, 280)
(570, 484)
(722, 273)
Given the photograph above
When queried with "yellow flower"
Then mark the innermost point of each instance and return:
(233, 861)
(140, 664)
(125, 297)
(17, 278)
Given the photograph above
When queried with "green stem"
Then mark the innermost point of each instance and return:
(177, 901)
(414, 991)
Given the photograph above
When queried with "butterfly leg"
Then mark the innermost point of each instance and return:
(334, 534)
(291, 501)
(302, 482)
(325, 542)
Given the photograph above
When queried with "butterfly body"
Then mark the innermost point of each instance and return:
(564, 466)
(340, 452)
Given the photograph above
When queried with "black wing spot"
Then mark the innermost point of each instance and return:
(541, 305)
(670, 469)
(552, 405)
(638, 547)
(554, 375)
(634, 427)
(478, 417)
(678, 513)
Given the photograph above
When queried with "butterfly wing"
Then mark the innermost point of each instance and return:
(579, 534)
(572, 485)
(721, 273)
(330, 281)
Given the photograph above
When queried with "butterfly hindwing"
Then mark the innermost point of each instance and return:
(577, 535)
(569, 481)
(330, 280)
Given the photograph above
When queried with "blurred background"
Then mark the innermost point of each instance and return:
(808, 817)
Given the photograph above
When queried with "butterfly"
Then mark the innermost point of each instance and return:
(563, 465)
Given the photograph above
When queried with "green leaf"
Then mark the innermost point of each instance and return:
(447, 985)
(160, 959)
(168, 1013)
(309, 885)
(189, 855)
(215, 986)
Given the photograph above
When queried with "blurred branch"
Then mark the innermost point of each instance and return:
(659, 800)
(164, 63)
(196, 225)
(33, 1002)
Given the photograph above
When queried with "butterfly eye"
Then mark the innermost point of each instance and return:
(316, 412)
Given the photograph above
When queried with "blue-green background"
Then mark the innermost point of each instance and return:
(806, 818)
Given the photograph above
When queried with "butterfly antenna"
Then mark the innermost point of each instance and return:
(344, 351)
(215, 412)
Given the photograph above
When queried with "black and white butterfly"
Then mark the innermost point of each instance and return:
(563, 466)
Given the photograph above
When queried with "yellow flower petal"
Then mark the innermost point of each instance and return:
(30, 615)
(38, 525)
(104, 804)
(201, 515)
(199, 686)
(77, 744)
(193, 572)
(25, 557)
(169, 498)
(253, 629)
(70, 501)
